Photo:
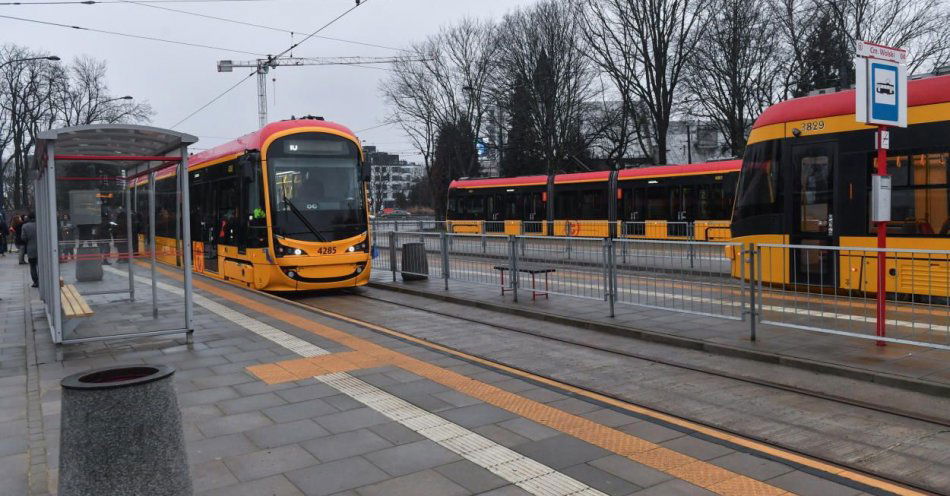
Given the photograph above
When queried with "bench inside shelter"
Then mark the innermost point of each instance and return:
(534, 270)
(74, 305)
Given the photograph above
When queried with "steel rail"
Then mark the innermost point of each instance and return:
(760, 382)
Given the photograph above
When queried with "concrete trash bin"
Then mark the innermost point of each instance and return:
(88, 264)
(415, 265)
(121, 434)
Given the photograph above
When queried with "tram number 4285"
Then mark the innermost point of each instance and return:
(327, 250)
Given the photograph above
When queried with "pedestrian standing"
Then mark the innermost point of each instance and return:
(17, 226)
(3, 235)
(28, 234)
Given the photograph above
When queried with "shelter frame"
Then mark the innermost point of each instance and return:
(140, 152)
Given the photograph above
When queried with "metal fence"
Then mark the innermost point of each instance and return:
(833, 289)
(814, 288)
(684, 276)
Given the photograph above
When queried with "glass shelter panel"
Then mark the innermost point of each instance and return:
(110, 227)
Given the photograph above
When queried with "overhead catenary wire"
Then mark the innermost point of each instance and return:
(374, 127)
(147, 3)
(254, 72)
(130, 35)
(95, 2)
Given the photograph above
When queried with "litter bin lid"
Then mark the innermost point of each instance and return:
(116, 377)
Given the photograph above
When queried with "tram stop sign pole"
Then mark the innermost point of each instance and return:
(881, 100)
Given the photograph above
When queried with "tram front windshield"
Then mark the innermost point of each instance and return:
(315, 187)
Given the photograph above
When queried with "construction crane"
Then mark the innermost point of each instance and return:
(263, 66)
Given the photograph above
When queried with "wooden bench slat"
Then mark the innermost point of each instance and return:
(66, 302)
(74, 305)
(82, 301)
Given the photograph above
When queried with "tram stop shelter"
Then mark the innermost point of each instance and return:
(111, 204)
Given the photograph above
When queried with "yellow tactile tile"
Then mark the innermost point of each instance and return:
(702, 474)
(271, 373)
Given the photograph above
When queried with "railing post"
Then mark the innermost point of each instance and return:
(611, 282)
(623, 249)
(752, 289)
(567, 232)
(392, 253)
(691, 238)
(513, 265)
(396, 225)
(445, 259)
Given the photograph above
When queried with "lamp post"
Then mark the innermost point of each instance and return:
(51, 58)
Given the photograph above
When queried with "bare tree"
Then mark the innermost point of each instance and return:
(920, 26)
(733, 71)
(619, 125)
(82, 97)
(443, 81)
(36, 95)
(644, 46)
(25, 108)
(542, 56)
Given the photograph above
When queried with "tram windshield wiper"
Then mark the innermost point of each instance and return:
(302, 217)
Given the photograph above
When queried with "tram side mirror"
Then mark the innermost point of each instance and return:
(367, 172)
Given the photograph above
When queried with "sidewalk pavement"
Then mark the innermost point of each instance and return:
(278, 400)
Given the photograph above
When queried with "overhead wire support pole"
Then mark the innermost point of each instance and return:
(262, 68)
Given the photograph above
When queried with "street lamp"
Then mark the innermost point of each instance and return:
(52, 58)
(126, 97)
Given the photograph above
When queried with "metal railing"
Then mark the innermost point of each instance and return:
(833, 289)
(685, 276)
(814, 288)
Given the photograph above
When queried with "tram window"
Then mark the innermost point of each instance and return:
(229, 218)
(633, 204)
(512, 207)
(472, 208)
(253, 212)
(658, 203)
(565, 205)
(533, 207)
(592, 205)
(921, 206)
(815, 194)
(711, 203)
(759, 192)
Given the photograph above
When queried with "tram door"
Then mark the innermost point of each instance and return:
(682, 210)
(210, 229)
(813, 209)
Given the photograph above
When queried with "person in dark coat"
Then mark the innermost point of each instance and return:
(28, 235)
(3, 235)
(17, 225)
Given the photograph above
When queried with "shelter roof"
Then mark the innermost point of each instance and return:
(114, 140)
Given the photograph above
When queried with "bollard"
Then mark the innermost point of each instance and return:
(121, 434)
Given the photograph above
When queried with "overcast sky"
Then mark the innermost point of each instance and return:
(176, 80)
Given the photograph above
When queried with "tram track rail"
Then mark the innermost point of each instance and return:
(942, 421)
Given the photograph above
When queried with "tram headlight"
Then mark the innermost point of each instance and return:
(284, 251)
(357, 247)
